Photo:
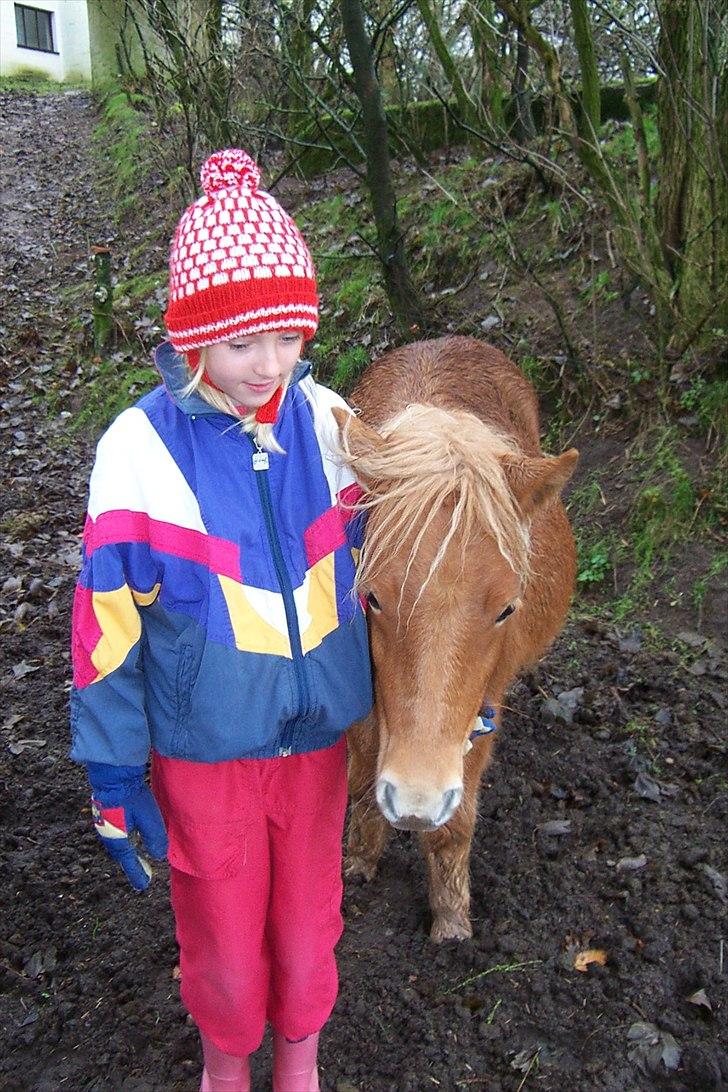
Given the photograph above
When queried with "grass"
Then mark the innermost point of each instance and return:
(673, 505)
(122, 138)
(27, 80)
(110, 390)
(701, 585)
(349, 366)
(498, 968)
(708, 400)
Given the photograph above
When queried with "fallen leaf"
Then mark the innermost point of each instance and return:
(21, 745)
(556, 827)
(651, 1046)
(176, 973)
(717, 879)
(631, 643)
(700, 997)
(563, 706)
(589, 955)
(631, 864)
(24, 668)
(646, 787)
(692, 639)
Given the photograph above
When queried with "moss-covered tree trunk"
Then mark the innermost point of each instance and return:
(215, 71)
(590, 98)
(482, 19)
(467, 108)
(300, 46)
(519, 13)
(401, 293)
(693, 171)
(523, 125)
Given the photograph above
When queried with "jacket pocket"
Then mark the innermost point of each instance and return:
(189, 657)
(208, 851)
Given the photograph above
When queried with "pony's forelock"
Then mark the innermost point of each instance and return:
(431, 455)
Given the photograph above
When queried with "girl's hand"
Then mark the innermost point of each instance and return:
(123, 804)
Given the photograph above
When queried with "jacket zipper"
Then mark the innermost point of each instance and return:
(261, 466)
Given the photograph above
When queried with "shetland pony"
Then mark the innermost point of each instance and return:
(468, 568)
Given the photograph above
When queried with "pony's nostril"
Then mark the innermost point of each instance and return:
(450, 801)
(388, 793)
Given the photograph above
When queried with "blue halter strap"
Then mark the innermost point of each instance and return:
(485, 724)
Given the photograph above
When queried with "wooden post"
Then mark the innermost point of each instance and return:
(103, 298)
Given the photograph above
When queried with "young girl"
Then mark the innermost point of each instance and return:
(215, 625)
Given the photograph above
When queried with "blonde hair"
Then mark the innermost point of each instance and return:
(261, 433)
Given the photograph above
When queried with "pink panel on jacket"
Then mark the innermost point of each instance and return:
(324, 535)
(86, 635)
(217, 554)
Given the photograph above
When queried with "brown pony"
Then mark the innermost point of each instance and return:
(468, 567)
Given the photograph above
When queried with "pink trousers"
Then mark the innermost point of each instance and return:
(255, 854)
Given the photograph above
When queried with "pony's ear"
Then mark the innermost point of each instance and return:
(358, 439)
(533, 482)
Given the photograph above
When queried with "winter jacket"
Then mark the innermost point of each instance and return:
(215, 616)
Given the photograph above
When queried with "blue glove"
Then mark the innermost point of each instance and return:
(121, 804)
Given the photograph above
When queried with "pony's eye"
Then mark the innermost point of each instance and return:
(504, 613)
(373, 602)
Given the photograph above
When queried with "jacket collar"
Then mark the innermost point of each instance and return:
(175, 377)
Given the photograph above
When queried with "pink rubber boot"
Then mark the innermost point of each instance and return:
(294, 1064)
(223, 1072)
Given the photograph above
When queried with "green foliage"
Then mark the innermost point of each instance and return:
(708, 399)
(110, 386)
(618, 143)
(662, 515)
(353, 294)
(536, 371)
(122, 134)
(598, 289)
(594, 561)
(137, 293)
(701, 586)
(349, 366)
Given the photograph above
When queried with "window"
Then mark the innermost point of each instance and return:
(35, 28)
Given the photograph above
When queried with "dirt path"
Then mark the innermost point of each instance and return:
(602, 824)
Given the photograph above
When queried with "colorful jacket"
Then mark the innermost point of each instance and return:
(214, 616)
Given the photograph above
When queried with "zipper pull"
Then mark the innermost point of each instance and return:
(260, 458)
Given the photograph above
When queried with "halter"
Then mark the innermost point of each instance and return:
(484, 725)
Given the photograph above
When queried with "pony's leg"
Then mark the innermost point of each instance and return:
(368, 829)
(447, 855)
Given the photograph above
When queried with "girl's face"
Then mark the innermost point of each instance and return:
(251, 367)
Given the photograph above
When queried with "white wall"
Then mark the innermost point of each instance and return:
(72, 59)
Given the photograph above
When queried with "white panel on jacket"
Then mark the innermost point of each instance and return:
(327, 433)
(135, 472)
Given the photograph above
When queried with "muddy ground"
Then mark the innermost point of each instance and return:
(602, 822)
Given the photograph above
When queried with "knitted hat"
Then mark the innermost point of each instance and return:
(238, 263)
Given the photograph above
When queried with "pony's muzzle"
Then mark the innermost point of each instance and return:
(416, 809)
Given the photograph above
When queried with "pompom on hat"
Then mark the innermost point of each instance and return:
(238, 264)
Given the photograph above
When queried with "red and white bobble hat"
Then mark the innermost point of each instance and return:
(238, 263)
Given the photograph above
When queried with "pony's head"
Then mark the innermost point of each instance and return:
(445, 569)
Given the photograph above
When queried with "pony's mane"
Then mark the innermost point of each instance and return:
(431, 456)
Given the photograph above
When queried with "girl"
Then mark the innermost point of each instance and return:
(215, 625)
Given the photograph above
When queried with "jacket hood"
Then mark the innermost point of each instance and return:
(173, 370)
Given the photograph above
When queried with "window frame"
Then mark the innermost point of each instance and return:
(20, 17)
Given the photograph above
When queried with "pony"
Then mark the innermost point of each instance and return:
(467, 567)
